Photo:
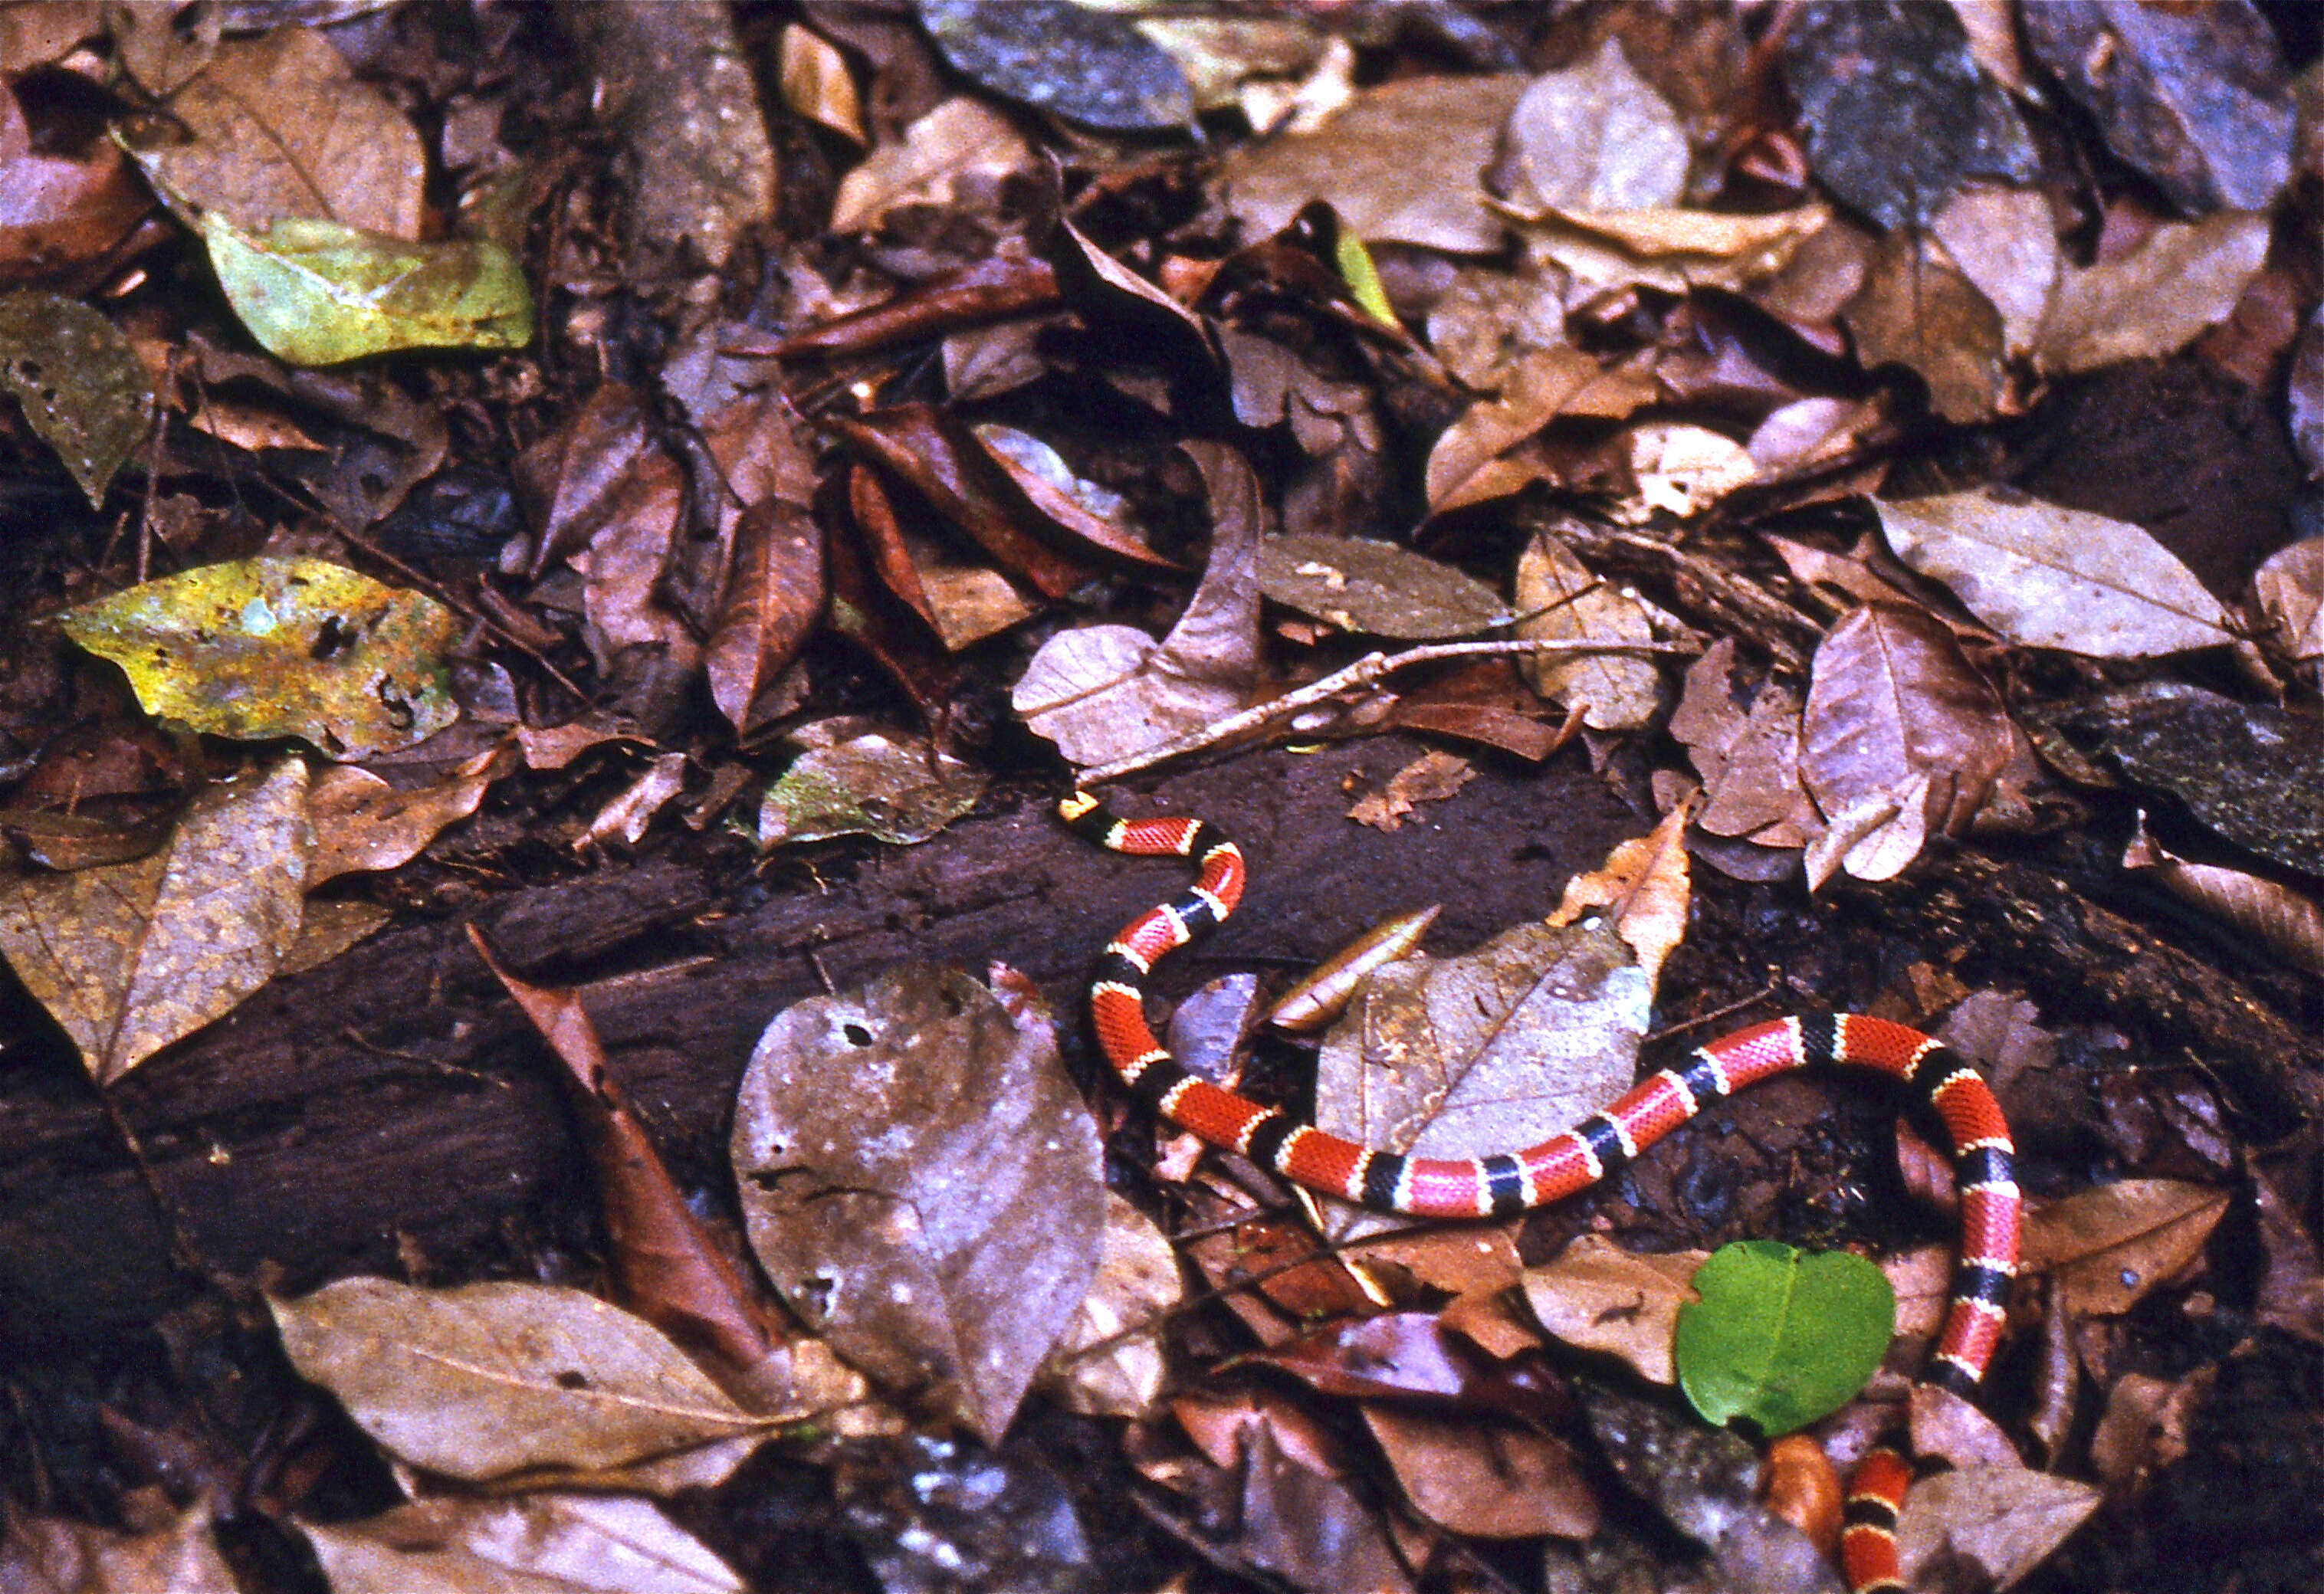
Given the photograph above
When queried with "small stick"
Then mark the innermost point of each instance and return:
(1370, 667)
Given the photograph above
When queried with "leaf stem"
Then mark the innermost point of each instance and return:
(1370, 667)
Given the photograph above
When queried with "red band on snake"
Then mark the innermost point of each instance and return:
(1515, 1181)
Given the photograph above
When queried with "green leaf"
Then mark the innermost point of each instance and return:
(1356, 270)
(83, 388)
(269, 646)
(316, 293)
(1781, 1335)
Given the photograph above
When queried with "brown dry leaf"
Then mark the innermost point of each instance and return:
(555, 746)
(1103, 692)
(2288, 591)
(672, 1272)
(632, 808)
(1310, 1530)
(1490, 321)
(539, 1542)
(1324, 992)
(280, 127)
(1901, 737)
(1804, 436)
(49, 1555)
(2288, 923)
(329, 928)
(35, 34)
(1081, 508)
(1989, 1523)
(1681, 470)
(1400, 163)
(818, 84)
(1137, 1289)
(1922, 1280)
(1851, 575)
(2291, 1290)
(2003, 242)
(1470, 1260)
(623, 564)
(2144, 1428)
(1595, 136)
(1748, 760)
(489, 1379)
(916, 443)
(572, 483)
(2113, 1244)
(963, 142)
(1644, 883)
(1357, 584)
(1675, 251)
(1601, 1297)
(1506, 1045)
(2046, 576)
(921, 1181)
(775, 593)
(1467, 464)
(2154, 301)
(364, 824)
(1562, 601)
(1918, 310)
(1484, 1476)
(134, 956)
(1947, 1428)
(59, 214)
(1431, 777)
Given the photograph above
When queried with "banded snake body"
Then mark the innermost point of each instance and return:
(1600, 1144)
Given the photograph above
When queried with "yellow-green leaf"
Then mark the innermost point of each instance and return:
(273, 647)
(316, 293)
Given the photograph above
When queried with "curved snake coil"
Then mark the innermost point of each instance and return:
(1514, 1180)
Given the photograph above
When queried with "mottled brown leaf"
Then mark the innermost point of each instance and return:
(362, 822)
(877, 783)
(82, 387)
(134, 956)
(921, 1181)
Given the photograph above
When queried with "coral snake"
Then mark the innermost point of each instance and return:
(1601, 1143)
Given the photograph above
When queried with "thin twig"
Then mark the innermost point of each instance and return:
(1370, 667)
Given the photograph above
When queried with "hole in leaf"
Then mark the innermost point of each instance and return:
(857, 1036)
(569, 1380)
(334, 638)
